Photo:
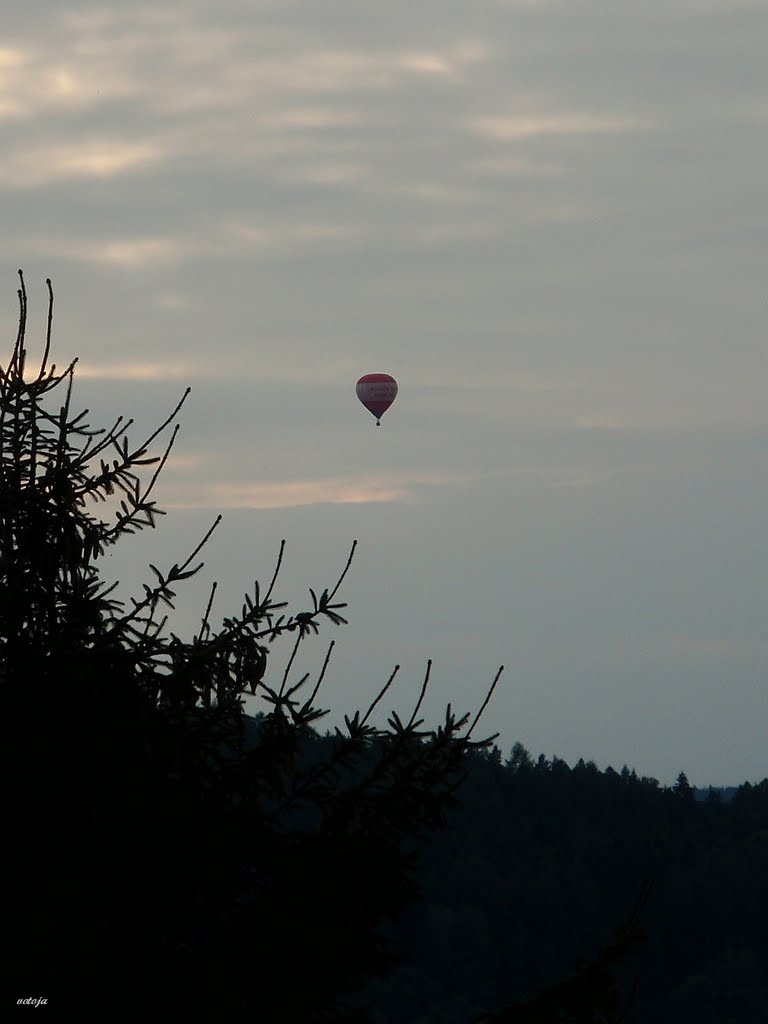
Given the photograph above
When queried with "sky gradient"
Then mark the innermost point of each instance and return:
(547, 220)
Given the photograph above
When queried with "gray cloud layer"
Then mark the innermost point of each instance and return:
(545, 218)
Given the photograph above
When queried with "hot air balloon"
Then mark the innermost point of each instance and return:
(377, 391)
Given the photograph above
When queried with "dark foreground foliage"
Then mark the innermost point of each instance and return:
(162, 856)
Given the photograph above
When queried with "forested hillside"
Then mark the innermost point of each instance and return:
(542, 863)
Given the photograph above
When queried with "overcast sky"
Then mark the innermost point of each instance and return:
(547, 220)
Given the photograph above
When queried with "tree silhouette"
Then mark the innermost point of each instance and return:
(167, 851)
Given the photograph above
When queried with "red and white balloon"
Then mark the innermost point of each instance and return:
(377, 391)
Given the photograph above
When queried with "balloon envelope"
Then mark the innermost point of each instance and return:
(377, 391)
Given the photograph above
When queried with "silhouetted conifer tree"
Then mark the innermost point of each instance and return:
(167, 852)
(683, 788)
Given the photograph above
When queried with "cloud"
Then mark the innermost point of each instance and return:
(173, 301)
(515, 128)
(233, 369)
(125, 253)
(343, 490)
(144, 370)
(251, 235)
(329, 174)
(35, 79)
(30, 166)
(452, 62)
(597, 421)
(224, 240)
(177, 61)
